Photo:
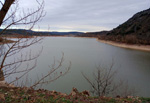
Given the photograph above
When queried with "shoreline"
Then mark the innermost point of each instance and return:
(127, 46)
(113, 43)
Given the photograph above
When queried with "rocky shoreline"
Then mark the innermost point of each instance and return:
(128, 46)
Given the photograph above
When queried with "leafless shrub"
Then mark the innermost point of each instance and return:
(103, 83)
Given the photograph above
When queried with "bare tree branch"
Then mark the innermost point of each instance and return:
(30, 17)
(52, 72)
(1, 3)
(13, 49)
(27, 18)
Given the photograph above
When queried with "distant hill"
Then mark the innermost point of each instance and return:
(17, 31)
(66, 33)
(93, 34)
(136, 30)
(35, 33)
(139, 24)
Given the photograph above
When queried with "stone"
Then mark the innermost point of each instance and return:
(86, 93)
(74, 92)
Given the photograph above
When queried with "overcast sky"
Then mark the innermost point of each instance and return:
(87, 15)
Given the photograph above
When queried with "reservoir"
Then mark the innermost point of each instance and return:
(85, 54)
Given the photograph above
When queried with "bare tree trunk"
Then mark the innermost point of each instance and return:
(1, 75)
(5, 9)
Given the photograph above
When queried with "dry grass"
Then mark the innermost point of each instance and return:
(29, 95)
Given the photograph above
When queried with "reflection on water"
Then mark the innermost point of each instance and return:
(87, 53)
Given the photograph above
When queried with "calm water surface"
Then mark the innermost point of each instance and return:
(85, 54)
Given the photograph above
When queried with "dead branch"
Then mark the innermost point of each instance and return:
(1, 3)
(12, 67)
(52, 72)
(30, 17)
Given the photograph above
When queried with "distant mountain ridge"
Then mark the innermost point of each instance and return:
(93, 34)
(38, 33)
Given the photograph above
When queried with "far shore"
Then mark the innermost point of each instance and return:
(122, 45)
(6, 42)
(128, 46)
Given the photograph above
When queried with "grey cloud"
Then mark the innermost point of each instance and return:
(82, 14)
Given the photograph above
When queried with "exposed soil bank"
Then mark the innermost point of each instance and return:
(129, 46)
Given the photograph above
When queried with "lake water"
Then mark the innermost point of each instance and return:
(85, 54)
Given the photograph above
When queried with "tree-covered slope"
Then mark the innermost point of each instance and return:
(136, 30)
